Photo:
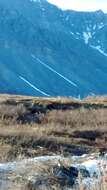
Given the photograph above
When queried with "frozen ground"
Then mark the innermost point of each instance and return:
(13, 175)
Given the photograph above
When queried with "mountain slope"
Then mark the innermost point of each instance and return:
(47, 51)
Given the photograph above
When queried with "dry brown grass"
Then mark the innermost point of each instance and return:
(37, 126)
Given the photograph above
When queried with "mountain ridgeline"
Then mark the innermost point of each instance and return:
(45, 51)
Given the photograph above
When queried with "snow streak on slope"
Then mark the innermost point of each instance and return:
(54, 71)
(99, 49)
(34, 87)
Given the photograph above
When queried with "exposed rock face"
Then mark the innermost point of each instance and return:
(83, 171)
(67, 176)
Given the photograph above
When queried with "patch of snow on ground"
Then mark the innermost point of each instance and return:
(87, 36)
(101, 25)
(99, 49)
(94, 27)
(72, 33)
(92, 167)
(35, 0)
(12, 166)
(94, 164)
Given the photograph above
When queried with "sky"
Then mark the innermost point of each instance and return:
(81, 5)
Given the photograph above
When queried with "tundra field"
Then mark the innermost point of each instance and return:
(33, 128)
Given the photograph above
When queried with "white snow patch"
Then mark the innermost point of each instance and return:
(72, 33)
(92, 167)
(13, 166)
(94, 27)
(35, 0)
(99, 49)
(33, 56)
(77, 33)
(76, 158)
(93, 163)
(87, 36)
(101, 25)
(90, 184)
(42, 8)
(33, 86)
(54, 71)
